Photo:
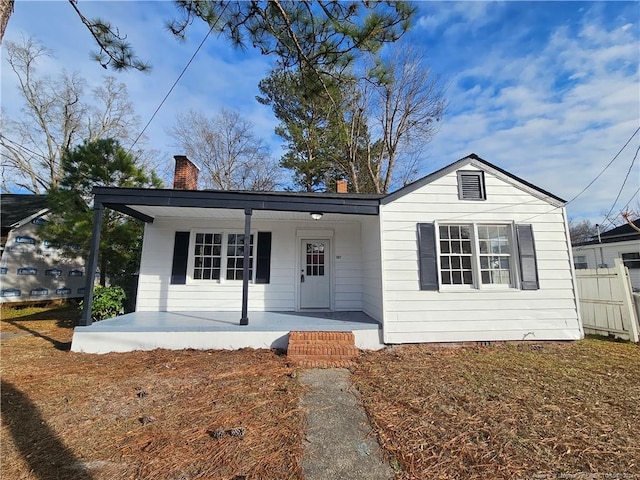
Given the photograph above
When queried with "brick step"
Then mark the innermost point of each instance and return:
(322, 349)
(341, 352)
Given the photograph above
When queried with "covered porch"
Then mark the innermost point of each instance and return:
(218, 330)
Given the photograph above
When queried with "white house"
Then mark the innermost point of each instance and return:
(32, 269)
(622, 242)
(468, 253)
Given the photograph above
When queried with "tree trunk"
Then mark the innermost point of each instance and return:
(6, 9)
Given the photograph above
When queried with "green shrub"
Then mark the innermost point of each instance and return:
(108, 302)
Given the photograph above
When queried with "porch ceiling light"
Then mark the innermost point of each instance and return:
(316, 215)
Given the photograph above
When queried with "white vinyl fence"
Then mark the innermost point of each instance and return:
(606, 302)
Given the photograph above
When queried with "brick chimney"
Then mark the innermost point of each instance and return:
(341, 186)
(186, 174)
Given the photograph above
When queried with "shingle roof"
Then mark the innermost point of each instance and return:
(625, 229)
(623, 233)
(16, 207)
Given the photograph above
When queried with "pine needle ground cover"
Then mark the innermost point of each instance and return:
(142, 415)
(506, 412)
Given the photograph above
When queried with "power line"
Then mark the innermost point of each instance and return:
(622, 187)
(23, 147)
(632, 197)
(596, 177)
(605, 168)
(177, 80)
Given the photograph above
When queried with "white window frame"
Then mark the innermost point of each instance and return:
(475, 258)
(584, 262)
(633, 260)
(223, 257)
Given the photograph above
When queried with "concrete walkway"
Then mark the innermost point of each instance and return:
(340, 443)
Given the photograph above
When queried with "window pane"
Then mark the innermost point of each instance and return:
(455, 255)
(207, 256)
(485, 277)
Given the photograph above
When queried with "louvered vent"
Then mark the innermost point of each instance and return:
(471, 186)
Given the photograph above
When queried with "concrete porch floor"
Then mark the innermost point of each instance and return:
(218, 330)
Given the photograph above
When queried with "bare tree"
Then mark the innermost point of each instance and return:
(230, 155)
(57, 114)
(581, 230)
(390, 120)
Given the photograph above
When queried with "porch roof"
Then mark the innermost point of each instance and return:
(148, 204)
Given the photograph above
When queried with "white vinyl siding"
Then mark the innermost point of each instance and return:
(371, 268)
(605, 253)
(449, 315)
(155, 293)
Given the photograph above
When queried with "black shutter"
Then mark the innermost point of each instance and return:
(528, 264)
(427, 256)
(180, 257)
(263, 266)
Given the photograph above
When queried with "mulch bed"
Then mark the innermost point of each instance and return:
(506, 412)
(143, 415)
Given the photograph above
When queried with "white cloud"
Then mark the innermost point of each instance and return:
(556, 116)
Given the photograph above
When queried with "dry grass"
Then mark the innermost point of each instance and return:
(503, 412)
(155, 415)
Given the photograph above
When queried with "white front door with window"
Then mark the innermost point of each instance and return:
(315, 278)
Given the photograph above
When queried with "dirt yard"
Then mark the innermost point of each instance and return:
(500, 412)
(543, 411)
(143, 415)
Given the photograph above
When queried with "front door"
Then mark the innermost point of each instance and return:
(315, 280)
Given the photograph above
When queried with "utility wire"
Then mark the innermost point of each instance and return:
(606, 167)
(171, 89)
(622, 187)
(632, 197)
(596, 177)
(177, 80)
(23, 147)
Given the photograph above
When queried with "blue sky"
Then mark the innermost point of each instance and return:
(547, 90)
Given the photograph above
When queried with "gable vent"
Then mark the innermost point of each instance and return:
(471, 186)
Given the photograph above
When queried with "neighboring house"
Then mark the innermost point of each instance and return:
(621, 242)
(32, 269)
(468, 253)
